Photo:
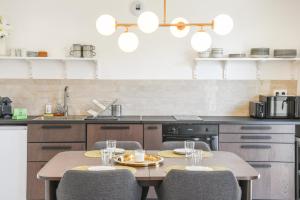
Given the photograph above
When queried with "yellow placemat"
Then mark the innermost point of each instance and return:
(182, 167)
(97, 153)
(85, 168)
(171, 154)
(93, 154)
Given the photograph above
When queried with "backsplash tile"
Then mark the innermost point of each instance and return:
(144, 97)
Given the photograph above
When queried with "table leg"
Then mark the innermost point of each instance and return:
(50, 189)
(246, 187)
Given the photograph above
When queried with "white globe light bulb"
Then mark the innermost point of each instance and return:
(106, 25)
(223, 24)
(148, 22)
(128, 42)
(201, 41)
(177, 32)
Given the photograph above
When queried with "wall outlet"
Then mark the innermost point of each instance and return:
(137, 7)
(282, 92)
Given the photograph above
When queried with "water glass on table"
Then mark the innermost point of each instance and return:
(111, 145)
(196, 158)
(106, 157)
(189, 147)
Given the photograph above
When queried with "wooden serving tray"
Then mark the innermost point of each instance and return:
(128, 160)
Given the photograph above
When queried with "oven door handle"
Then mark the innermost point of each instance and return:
(174, 138)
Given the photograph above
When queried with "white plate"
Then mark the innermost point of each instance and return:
(180, 151)
(119, 151)
(198, 168)
(101, 168)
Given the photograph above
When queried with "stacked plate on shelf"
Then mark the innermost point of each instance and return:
(285, 53)
(260, 52)
(217, 52)
(237, 55)
(204, 54)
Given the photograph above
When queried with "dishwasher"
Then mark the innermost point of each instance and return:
(13, 170)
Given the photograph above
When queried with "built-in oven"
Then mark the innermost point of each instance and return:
(197, 132)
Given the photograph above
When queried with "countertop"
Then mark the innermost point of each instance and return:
(149, 120)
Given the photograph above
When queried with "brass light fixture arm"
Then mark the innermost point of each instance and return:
(180, 26)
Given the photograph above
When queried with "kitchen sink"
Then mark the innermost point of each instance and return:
(71, 117)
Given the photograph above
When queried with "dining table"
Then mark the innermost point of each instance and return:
(54, 170)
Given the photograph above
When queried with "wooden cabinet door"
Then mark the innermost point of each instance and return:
(119, 132)
(56, 133)
(152, 136)
(277, 181)
(261, 151)
(35, 187)
(46, 151)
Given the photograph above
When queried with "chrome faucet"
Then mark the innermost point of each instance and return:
(66, 97)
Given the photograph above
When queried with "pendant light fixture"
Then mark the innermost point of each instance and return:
(148, 22)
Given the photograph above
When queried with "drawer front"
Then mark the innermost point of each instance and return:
(56, 133)
(277, 181)
(252, 137)
(261, 151)
(120, 132)
(35, 187)
(45, 151)
(152, 136)
(257, 129)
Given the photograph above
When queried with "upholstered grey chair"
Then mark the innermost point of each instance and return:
(180, 144)
(197, 185)
(102, 185)
(128, 145)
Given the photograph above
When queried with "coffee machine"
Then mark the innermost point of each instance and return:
(276, 107)
(5, 108)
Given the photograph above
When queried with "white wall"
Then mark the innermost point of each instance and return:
(53, 25)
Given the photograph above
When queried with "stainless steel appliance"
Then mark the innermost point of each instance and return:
(257, 109)
(279, 106)
(116, 110)
(295, 107)
(197, 132)
(5, 108)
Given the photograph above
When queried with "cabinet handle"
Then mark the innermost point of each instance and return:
(256, 137)
(114, 127)
(260, 128)
(261, 165)
(256, 146)
(56, 147)
(56, 126)
(152, 128)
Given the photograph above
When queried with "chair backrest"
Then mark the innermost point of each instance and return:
(102, 185)
(192, 185)
(180, 144)
(127, 145)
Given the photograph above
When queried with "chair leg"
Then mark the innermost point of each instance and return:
(145, 190)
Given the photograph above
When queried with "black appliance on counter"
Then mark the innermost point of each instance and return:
(196, 132)
(5, 108)
(275, 107)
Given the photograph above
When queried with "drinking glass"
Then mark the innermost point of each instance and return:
(111, 145)
(189, 147)
(197, 158)
(105, 157)
(139, 155)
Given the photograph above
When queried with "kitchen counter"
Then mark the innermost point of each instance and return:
(147, 120)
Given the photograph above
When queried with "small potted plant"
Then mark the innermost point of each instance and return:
(4, 32)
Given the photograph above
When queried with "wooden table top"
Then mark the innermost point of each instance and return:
(64, 161)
